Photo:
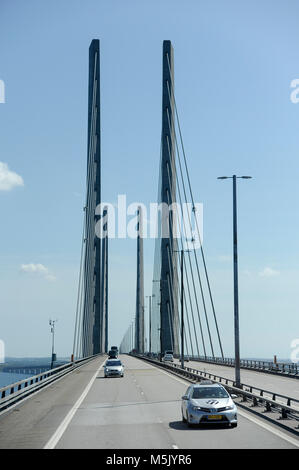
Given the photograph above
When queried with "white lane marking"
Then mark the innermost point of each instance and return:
(174, 377)
(257, 421)
(53, 441)
(269, 428)
(31, 395)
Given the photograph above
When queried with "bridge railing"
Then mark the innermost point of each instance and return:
(12, 393)
(281, 368)
(288, 407)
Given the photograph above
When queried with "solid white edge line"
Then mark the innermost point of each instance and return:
(30, 395)
(269, 428)
(257, 421)
(53, 441)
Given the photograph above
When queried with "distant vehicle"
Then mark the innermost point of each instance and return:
(186, 358)
(114, 348)
(168, 357)
(113, 354)
(207, 403)
(113, 368)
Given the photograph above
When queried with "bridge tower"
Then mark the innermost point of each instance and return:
(104, 284)
(139, 328)
(91, 337)
(169, 322)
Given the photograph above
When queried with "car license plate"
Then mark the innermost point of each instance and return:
(215, 417)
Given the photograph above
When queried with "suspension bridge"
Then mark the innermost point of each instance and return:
(73, 405)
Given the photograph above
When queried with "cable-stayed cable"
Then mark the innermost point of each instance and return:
(192, 199)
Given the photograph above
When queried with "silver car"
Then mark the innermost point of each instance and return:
(208, 403)
(113, 368)
(167, 357)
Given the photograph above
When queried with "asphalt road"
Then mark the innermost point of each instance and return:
(139, 411)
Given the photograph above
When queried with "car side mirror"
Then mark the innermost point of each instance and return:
(185, 397)
(234, 396)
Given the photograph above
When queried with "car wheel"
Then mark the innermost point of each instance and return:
(234, 425)
(190, 425)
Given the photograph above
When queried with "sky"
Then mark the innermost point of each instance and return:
(234, 65)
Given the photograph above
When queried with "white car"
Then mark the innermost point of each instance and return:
(208, 403)
(167, 357)
(113, 368)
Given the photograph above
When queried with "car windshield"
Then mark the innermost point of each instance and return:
(113, 363)
(209, 392)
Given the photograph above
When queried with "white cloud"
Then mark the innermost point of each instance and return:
(38, 269)
(9, 179)
(269, 272)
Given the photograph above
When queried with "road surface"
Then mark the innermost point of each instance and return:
(140, 411)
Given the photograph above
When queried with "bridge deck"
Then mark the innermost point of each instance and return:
(274, 383)
(141, 410)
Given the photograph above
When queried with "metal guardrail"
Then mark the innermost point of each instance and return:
(12, 393)
(288, 407)
(279, 368)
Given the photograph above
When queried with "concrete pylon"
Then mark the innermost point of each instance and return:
(169, 319)
(104, 284)
(139, 328)
(92, 263)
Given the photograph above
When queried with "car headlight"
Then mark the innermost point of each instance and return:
(196, 408)
(229, 407)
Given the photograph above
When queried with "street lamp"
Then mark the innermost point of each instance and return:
(150, 322)
(133, 334)
(160, 329)
(236, 293)
(182, 309)
(182, 305)
(53, 356)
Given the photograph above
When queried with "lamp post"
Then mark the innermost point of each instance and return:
(134, 335)
(182, 309)
(182, 306)
(236, 289)
(160, 329)
(150, 323)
